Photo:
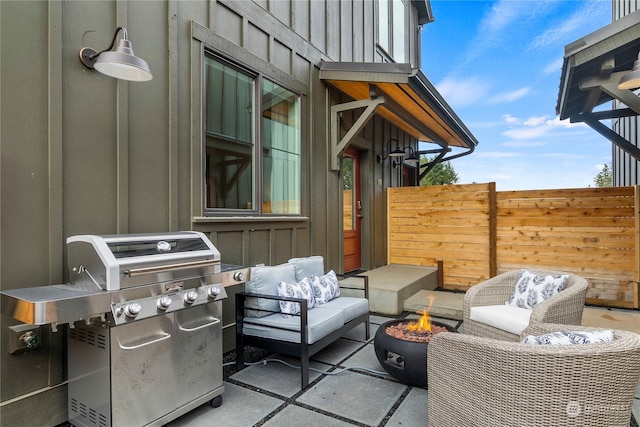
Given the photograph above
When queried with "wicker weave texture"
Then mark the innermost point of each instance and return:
(566, 307)
(476, 381)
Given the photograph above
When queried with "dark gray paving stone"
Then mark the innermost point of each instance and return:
(379, 320)
(277, 377)
(359, 333)
(295, 416)
(366, 359)
(355, 396)
(412, 412)
(337, 351)
(241, 407)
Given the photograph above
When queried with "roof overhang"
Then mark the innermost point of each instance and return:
(592, 68)
(425, 15)
(411, 102)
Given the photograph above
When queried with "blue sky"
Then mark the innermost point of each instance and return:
(498, 65)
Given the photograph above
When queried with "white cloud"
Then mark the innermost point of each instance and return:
(535, 121)
(556, 122)
(569, 28)
(510, 119)
(463, 92)
(534, 127)
(554, 67)
(526, 132)
(497, 154)
(494, 24)
(505, 97)
(523, 144)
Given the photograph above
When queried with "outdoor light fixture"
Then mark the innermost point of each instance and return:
(631, 80)
(411, 159)
(121, 63)
(398, 152)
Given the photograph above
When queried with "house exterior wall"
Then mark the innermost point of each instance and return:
(83, 153)
(625, 168)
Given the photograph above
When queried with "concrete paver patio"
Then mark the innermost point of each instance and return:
(364, 395)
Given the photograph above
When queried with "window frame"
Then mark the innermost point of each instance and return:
(258, 77)
(387, 49)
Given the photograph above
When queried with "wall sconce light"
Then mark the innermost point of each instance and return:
(398, 152)
(411, 159)
(631, 80)
(121, 63)
(406, 151)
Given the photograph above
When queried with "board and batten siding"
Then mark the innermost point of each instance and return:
(83, 153)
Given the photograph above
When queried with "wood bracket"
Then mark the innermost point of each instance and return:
(339, 145)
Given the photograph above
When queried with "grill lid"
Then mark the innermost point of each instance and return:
(116, 262)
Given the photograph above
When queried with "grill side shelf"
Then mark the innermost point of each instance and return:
(53, 304)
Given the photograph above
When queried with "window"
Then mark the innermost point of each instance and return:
(392, 28)
(252, 162)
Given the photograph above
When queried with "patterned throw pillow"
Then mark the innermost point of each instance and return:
(532, 289)
(301, 289)
(325, 288)
(571, 337)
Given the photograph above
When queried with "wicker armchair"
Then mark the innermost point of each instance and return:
(476, 381)
(564, 308)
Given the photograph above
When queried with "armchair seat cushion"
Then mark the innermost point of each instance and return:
(352, 307)
(321, 322)
(505, 317)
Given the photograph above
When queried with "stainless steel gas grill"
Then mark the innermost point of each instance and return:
(145, 319)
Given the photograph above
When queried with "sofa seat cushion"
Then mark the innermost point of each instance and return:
(321, 322)
(352, 307)
(505, 317)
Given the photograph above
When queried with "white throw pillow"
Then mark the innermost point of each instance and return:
(571, 337)
(326, 287)
(532, 289)
(301, 289)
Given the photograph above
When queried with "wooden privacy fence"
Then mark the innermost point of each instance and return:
(478, 232)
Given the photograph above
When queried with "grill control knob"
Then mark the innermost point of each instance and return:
(213, 292)
(238, 276)
(164, 303)
(190, 297)
(132, 309)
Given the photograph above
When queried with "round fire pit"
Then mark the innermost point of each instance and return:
(405, 360)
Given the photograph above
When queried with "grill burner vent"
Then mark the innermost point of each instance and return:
(89, 337)
(94, 417)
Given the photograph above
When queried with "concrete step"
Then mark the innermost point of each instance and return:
(391, 285)
(443, 304)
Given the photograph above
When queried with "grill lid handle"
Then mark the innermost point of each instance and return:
(169, 267)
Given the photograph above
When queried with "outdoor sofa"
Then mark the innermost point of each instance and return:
(261, 322)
